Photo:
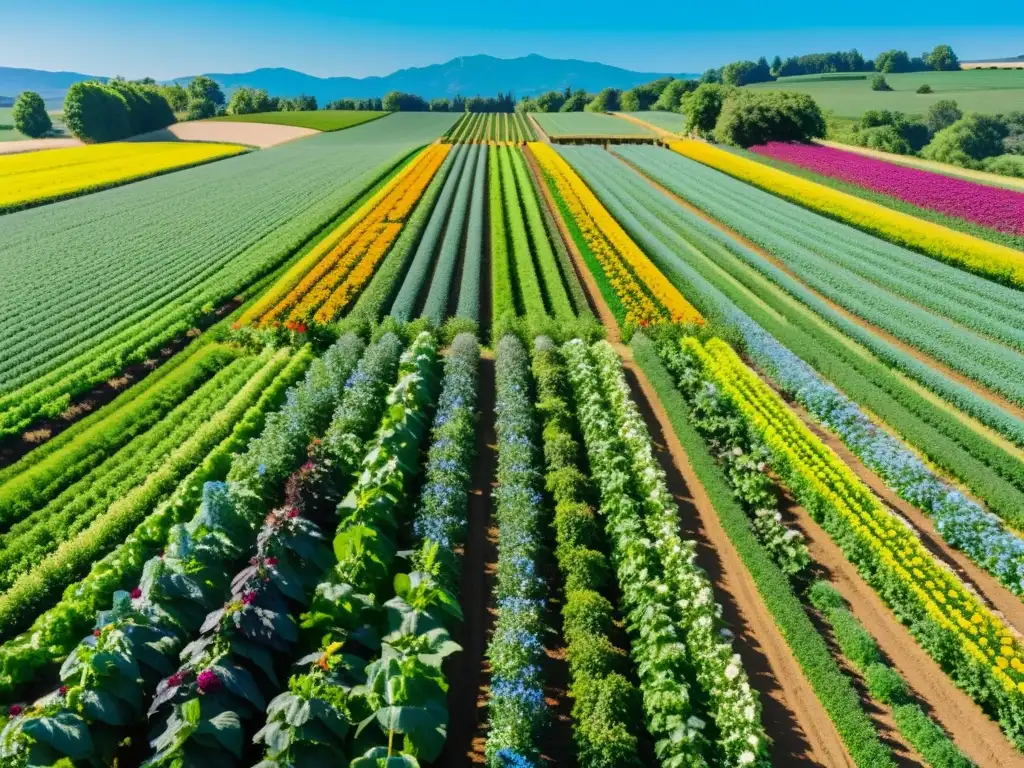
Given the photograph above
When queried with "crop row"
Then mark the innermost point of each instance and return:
(342, 272)
(33, 178)
(973, 645)
(638, 292)
(193, 573)
(990, 260)
(123, 271)
(496, 127)
(905, 294)
(745, 303)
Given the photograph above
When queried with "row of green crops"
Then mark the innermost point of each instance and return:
(484, 127)
(531, 274)
(964, 321)
(723, 287)
(121, 272)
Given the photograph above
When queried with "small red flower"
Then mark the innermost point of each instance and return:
(96, 633)
(249, 598)
(293, 513)
(175, 680)
(14, 711)
(207, 680)
(63, 690)
(136, 593)
(271, 561)
(300, 328)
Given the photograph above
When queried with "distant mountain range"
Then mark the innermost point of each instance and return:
(468, 75)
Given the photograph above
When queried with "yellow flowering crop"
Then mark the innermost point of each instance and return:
(644, 291)
(339, 269)
(980, 634)
(942, 243)
(34, 177)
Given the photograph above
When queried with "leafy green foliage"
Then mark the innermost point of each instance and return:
(94, 112)
(968, 141)
(30, 115)
(757, 117)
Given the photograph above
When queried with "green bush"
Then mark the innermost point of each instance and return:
(879, 83)
(94, 112)
(586, 612)
(924, 88)
(604, 707)
(30, 115)
(584, 568)
(886, 684)
(594, 656)
(968, 141)
(1005, 165)
(702, 106)
(757, 117)
(576, 525)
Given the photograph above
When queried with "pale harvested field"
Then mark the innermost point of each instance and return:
(34, 145)
(990, 64)
(260, 135)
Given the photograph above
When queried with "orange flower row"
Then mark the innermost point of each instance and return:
(370, 239)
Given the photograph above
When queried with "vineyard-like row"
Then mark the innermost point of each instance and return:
(488, 127)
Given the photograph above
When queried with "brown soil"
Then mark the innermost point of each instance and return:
(538, 132)
(557, 745)
(802, 731)
(978, 736)
(35, 145)
(14, 447)
(468, 671)
(260, 135)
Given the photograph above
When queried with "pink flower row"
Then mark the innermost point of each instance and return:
(994, 207)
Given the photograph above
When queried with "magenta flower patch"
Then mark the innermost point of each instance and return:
(995, 207)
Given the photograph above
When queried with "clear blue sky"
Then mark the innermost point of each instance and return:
(171, 39)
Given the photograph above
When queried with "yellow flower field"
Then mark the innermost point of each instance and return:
(31, 178)
(334, 273)
(895, 550)
(971, 253)
(644, 291)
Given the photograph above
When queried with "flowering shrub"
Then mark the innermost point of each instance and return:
(997, 262)
(972, 644)
(607, 709)
(516, 706)
(995, 207)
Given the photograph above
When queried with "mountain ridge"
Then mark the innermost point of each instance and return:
(467, 75)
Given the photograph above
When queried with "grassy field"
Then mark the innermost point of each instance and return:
(988, 91)
(587, 124)
(7, 132)
(669, 121)
(320, 120)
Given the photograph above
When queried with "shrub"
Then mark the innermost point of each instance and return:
(886, 685)
(602, 709)
(1005, 165)
(702, 107)
(924, 89)
(583, 568)
(94, 112)
(592, 656)
(879, 83)
(942, 114)
(30, 115)
(968, 141)
(586, 612)
(576, 525)
(757, 117)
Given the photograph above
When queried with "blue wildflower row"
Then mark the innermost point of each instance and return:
(517, 709)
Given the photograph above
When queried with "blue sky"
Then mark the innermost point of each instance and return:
(167, 40)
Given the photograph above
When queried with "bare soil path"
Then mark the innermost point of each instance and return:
(35, 145)
(260, 135)
(468, 670)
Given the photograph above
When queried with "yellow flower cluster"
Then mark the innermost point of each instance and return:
(896, 550)
(942, 243)
(35, 177)
(341, 270)
(644, 291)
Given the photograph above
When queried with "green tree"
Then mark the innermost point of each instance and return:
(397, 101)
(203, 87)
(968, 141)
(942, 58)
(576, 102)
(751, 117)
(30, 115)
(711, 76)
(607, 100)
(248, 101)
(702, 107)
(440, 105)
(671, 99)
(200, 109)
(776, 66)
(95, 112)
(942, 114)
(176, 96)
(551, 101)
(892, 61)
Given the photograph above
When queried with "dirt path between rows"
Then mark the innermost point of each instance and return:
(971, 729)
(992, 397)
(469, 672)
(802, 731)
(538, 132)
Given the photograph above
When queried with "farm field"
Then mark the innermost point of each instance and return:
(668, 121)
(319, 120)
(260, 135)
(430, 444)
(41, 177)
(577, 124)
(986, 91)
